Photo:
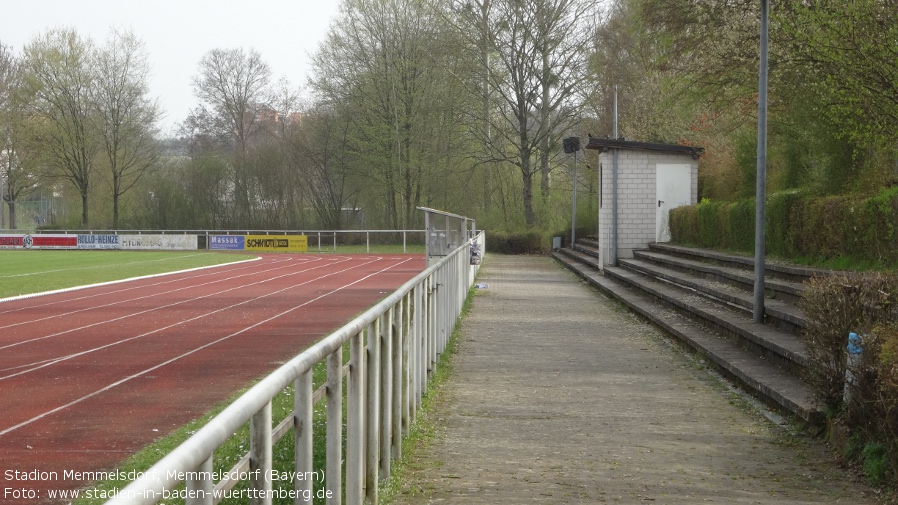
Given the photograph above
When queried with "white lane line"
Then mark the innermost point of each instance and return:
(45, 363)
(188, 353)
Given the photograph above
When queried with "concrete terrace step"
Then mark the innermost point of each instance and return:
(579, 256)
(587, 246)
(760, 377)
(738, 277)
(785, 272)
(782, 315)
(589, 242)
(779, 347)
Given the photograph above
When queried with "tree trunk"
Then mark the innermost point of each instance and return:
(11, 205)
(527, 178)
(546, 184)
(115, 196)
(84, 214)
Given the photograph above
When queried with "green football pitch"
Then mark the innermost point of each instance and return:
(25, 272)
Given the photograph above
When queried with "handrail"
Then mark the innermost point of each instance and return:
(394, 347)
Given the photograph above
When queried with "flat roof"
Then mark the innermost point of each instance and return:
(606, 144)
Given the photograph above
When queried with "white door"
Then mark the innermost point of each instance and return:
(674, 188)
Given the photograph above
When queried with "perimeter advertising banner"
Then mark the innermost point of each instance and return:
(259, 243)
(226, 242)
(50, 241)
(158, 242)
(276, 243)
(11, 242)
(110, 241)
(100, 241)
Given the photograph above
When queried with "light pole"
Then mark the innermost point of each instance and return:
(761, 188)
(572, 145)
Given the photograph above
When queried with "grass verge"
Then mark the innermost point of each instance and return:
(425, 431)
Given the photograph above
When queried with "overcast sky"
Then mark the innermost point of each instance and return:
(177, 33)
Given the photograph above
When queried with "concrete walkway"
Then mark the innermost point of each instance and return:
(559, 396)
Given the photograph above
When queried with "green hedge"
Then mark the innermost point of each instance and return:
(532, 242)
(799, 225)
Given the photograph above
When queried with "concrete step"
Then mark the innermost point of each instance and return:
(587, 247)
(785, 272)
(589, 242)
(758, 376)
(783, 315)
(774, 345)
(579, 256)
(741, 278)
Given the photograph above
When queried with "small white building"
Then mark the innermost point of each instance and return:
(649, 179)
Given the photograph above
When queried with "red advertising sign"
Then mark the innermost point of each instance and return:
(11, 241)
(50, 241)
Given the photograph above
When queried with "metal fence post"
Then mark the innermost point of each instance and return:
(199, 491)
(386, 391)
(406, 332)
(303, 409)
(398, 375)
(372, 414)
(260, 455)
(334, 428)
(355, 422)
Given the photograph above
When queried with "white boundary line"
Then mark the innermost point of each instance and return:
(109, 283)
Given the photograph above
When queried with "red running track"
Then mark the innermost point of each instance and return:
(90, 376)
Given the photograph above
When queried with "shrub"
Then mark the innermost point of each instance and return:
(867, 305)
(741, 221)
(835, 306)
(531, 242)
(882, 411)
(784, 217)
(799, 225)
(684, 225)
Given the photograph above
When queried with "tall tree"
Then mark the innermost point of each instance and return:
(8, 84)
(126, 115)
(387, 65)
(233, 88)
(325, 165)
(850, 47)
(533, 66)
(58, 79)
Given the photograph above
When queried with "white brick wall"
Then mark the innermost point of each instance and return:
(637, 198)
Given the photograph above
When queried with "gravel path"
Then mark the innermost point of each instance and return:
(559, 396)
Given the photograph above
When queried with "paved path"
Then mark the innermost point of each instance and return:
(559, 396)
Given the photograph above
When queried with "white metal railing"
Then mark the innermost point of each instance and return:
(393, 349)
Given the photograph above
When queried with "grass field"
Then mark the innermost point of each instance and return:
(24, 272)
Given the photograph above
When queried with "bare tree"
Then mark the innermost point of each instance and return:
(126, 115)
(8, 79)
(233, 88)
(58, 80)
(386, 66)
(533, 60)
(318, 147)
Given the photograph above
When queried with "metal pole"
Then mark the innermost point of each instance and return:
(574, 205)
(613, 259)
(761, 190)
